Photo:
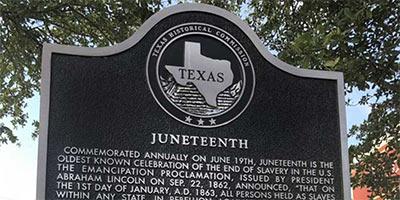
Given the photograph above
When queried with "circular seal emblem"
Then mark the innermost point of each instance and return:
(200, 75)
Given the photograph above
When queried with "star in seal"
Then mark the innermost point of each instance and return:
(188, 119)
(212, 121)
(200, 121)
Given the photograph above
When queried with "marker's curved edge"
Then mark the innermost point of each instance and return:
(343, 139)
(197, 7)
(48, 49)
(44, 121)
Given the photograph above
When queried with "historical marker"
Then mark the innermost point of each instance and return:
(191, 107)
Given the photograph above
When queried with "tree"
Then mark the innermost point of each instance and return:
(26, 25)
(360, 38)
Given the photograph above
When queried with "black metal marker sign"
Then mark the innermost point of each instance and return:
(190, 107)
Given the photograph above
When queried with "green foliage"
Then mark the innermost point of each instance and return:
(360, 38)
(233, 5)
(374, 165)
(6, 135)
(26, 25)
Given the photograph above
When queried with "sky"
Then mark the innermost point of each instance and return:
(18, 164)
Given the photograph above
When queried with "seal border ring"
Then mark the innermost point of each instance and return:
(190, 114)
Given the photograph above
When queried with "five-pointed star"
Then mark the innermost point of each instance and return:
(212, 121)
(188, 119)
(200, 121)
